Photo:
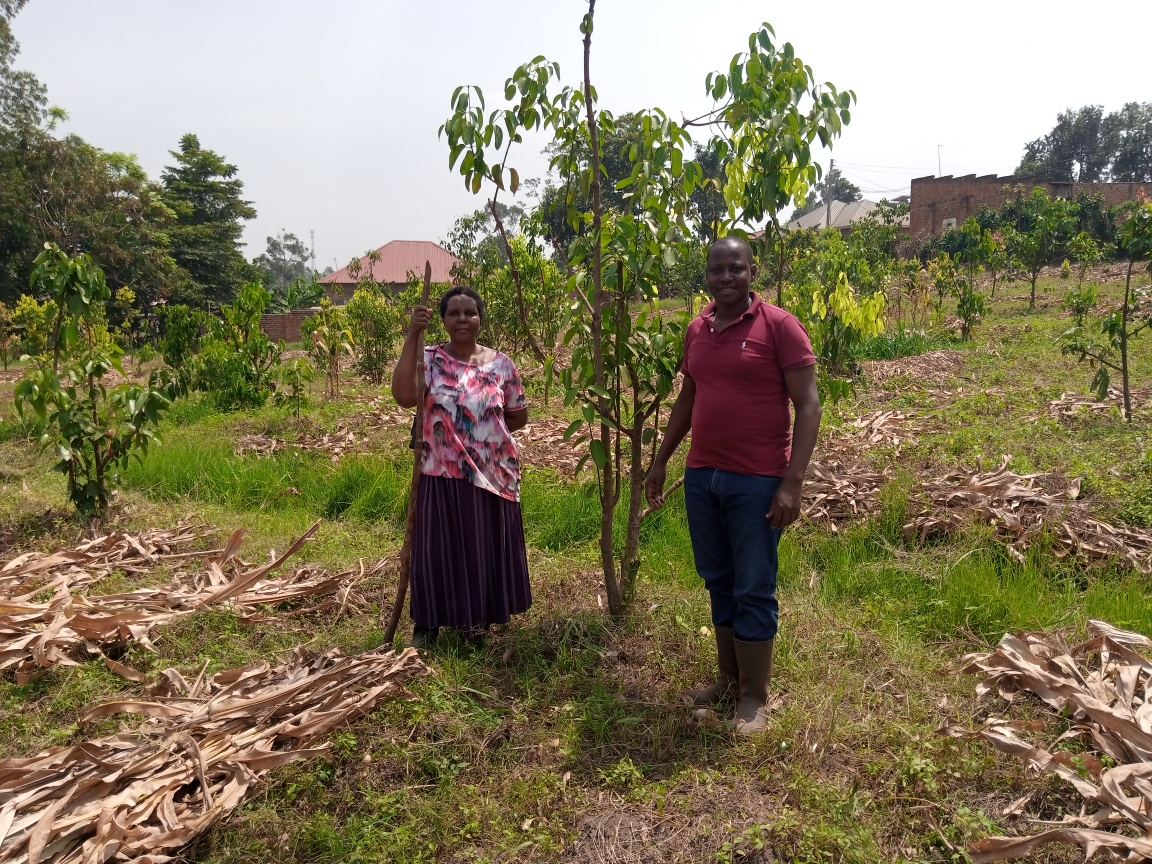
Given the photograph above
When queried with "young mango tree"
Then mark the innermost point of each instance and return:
(95, 429)
(1050, 220)
(623, 367)
(477, 141)
(1111, 353)
(765, 134)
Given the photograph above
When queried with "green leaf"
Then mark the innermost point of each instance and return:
(573, 427)
(514, 182)
(596, 446)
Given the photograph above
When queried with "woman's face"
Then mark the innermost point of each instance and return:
(462, 319)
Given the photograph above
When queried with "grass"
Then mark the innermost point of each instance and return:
(575, 748)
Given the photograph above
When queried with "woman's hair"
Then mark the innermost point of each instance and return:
(462, 291)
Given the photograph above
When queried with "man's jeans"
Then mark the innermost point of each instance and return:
(735, 548)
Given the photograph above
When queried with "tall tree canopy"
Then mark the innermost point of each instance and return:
(23, 99)
(205, 194)
(285, 259)
(1086, 145)
(67, 192)
(842, 188)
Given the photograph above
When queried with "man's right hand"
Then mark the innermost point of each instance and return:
(420, 318)
(654, 485)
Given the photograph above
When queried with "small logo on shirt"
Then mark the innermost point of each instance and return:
(743, 345)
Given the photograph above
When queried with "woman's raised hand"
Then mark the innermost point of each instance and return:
(421, 315)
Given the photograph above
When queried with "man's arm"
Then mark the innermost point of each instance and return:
(801, 384)
(679, 424)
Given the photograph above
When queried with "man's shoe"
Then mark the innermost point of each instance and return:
(755, 663)
(726, 680)
(423, 638)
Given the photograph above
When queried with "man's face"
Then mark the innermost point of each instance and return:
(730, 273)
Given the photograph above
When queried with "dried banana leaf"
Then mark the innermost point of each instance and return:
(1104, 686)
(142, 795)
(34, 637)
(1021, 510)
(26, 575)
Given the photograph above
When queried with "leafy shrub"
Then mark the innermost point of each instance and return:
(237, 361)
(94, 429)
(970, 306)
(295, 376)
(32, 321)
(1080, 301)
(179, 344)
(331, 340)
(376, 322)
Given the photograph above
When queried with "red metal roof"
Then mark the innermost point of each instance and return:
(398, 259)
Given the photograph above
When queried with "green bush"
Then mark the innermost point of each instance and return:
(237, 361)
(376, 322)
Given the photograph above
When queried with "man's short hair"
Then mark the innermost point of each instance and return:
(733, 240)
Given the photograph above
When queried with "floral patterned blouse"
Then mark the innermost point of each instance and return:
(465, 436)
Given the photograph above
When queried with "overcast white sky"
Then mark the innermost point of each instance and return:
(330, 109)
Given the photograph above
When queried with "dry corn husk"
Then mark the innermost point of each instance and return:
(1104, 686)
(835, 493)
(1070, 405)
(935, 367)
(1020, 510)
(851, 441)
(142, 795)
(335, 444)
(26, 575)
(34, 637)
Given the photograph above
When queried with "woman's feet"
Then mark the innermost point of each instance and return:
(425, 638)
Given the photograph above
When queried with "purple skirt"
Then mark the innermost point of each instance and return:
(469, 562)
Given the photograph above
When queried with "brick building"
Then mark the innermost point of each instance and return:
(285, 325)
(939, 203)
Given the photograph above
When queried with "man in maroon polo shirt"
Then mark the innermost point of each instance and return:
(744, 361)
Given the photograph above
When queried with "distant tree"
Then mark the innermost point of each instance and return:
(23, 99)
(843, 189)
(204, 192)
(1089, 146)
(285, 260)
(1131, 127)
(85, 200)
(1079, 147)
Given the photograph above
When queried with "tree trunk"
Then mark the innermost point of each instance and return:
(520, 308)
(1032, 299)
(779, 264)
(1124, 344)
(608, 478)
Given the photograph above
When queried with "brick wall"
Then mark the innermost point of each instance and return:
(936, 199)
(284, 325)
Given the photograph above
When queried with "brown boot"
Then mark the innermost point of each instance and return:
(729, 674)
(754, 660)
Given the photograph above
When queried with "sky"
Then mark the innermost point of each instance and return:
(330, 110)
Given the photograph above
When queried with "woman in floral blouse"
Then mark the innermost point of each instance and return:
(469, 562)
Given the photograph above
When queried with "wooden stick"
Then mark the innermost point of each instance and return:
(417, 459)
(648, 511)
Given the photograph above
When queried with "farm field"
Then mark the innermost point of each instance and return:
(562, 738)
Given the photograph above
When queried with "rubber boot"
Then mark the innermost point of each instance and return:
(423, 638)
(727, 677)
(755, 662)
